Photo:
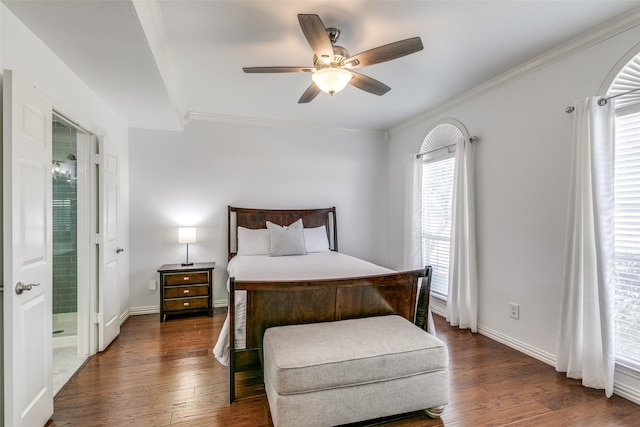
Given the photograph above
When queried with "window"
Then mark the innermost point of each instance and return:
(437, 200)
(626, 189)
(627, 237)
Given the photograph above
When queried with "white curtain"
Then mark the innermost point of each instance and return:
(462, 302)
(586, 335)
(413, 221)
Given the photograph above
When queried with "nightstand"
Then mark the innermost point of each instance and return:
(186, 289)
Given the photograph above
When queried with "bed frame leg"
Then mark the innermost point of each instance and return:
(232, 340)
(232, 378)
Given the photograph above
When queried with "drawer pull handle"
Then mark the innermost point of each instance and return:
(186, 291)
(186, 304)
(185, 278)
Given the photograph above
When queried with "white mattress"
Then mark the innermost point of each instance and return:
(314, 266)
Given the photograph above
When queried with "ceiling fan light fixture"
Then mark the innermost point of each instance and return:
(331, 79)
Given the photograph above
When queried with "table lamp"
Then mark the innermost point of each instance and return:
(187, 235)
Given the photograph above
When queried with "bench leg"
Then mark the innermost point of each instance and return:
(435, 412)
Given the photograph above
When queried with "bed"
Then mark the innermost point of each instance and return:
(319, 285)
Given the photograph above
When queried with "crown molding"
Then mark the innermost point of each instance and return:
(573, 46)
(223, 118)
(150, 17)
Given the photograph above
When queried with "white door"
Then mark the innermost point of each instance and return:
(28, 380)
(108, 249)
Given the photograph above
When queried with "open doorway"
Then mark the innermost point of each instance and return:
(73, 259)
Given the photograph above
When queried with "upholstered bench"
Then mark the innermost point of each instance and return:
(325, 374)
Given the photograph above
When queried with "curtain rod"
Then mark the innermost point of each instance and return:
(603, 101)
(471, 140)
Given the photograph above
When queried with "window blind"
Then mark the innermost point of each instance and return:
(627, 237)
(437, 197)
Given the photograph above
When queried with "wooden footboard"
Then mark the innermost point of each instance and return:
(288, 303)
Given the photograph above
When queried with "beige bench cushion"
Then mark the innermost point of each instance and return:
(319, 356)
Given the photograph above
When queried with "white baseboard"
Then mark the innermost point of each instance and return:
(137, 311)
(522, 347)
(621, 390)
(439, 307)
(124, 316)
(627, 392)
(155, 309)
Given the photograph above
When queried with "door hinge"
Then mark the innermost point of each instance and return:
(97, 241)
(96, 318)
(97, 159)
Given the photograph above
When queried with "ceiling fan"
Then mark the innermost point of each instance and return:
(333, 66)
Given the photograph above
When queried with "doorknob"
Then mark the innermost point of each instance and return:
(20, 287)
(119, 249)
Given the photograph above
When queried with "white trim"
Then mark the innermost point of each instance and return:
(124, 316)
(198, 115)
(151, 309)
(624, 390)
(85, 227)
(628, 371)
(515, 344)
(591, 38)
(522, 347)
(220, 303)
(155, 309)
(438, 306)
(621, 390)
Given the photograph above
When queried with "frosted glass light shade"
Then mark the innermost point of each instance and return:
(186, 235)
(331, 80)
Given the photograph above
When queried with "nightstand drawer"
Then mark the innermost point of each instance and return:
(186, 291)
(186, 303)
(186, 278)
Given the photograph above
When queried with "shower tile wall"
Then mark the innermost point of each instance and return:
(65, 203)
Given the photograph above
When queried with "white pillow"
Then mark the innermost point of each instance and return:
(316, 239)
(253, 242)
(288, 240)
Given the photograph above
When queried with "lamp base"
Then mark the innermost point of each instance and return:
(184, 264)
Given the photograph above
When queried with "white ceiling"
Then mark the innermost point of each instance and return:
(159, 63)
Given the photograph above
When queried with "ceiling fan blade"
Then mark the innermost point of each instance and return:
(309, 94)
(278, 69)
(368, 84)
(385, 53)
(316, 34)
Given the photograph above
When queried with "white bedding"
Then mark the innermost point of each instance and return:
(314, 266)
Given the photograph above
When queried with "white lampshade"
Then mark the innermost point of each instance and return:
(331, 80)
(186, 235)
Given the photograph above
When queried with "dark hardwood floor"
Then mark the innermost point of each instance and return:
(159, 374)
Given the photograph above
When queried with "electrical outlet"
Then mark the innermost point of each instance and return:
(153, 285)
(515, 310)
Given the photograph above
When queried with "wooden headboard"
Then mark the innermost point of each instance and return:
(257, 218)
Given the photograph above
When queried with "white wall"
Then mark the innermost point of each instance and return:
(522, 183)
(190, 177)
(32, 60)
(22, 52)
